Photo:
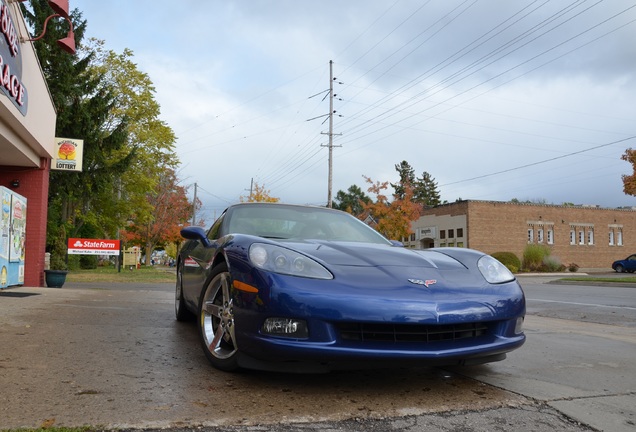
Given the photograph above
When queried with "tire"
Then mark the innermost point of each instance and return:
(180, 309)
(216, 321)
(620, 269)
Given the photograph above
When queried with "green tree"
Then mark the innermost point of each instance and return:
(407, 178)
(102, 98)
(149, 140)
(83, 102)
(425, 191)
(351, 201)
(171, 211)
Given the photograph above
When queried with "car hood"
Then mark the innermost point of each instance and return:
(373, 255)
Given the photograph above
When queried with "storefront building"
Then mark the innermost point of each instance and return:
(589, 236)
(27, 133)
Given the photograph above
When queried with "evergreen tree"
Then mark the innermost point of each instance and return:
(351, 201)
(425, 191)
(407, 177)
(83, 102)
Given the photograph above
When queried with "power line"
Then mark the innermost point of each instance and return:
(540, 162)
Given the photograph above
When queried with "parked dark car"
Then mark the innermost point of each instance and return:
(307, 289)
(625, 265)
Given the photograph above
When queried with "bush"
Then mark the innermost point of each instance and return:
(552, 264)
(573, 267)
(508, 259)
(74, 262)
(534, 257)
(88, 262)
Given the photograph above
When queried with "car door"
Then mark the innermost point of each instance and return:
(197, 259)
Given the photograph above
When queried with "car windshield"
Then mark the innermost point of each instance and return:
(298, 222)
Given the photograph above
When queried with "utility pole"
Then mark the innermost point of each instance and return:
(194, 205)
(331, 134)
(329, 198)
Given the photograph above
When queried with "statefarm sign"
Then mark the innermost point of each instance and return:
(78, 246)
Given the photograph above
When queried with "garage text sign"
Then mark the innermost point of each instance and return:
(78, 246)
(11, 61)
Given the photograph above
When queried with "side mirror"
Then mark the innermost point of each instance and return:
(195, 233)
(396, 243)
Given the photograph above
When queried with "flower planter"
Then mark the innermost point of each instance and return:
(55, 278)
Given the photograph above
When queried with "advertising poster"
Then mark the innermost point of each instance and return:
(5, 225)
(13, 211)
(5, 222)
(80, 246)
(68, 154)
(18, 221)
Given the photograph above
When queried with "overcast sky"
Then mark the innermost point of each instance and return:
(495, 99)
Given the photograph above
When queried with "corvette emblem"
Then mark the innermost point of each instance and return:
(426, 283)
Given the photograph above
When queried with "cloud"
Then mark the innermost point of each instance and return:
(463, 90)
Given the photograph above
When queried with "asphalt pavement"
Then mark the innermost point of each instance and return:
(111, 356)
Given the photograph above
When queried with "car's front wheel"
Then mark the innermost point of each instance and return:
(216, 321)
(620, 269)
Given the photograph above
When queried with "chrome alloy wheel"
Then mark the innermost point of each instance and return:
(217, 321)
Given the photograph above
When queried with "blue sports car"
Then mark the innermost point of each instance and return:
(311, 289)
(625, 265)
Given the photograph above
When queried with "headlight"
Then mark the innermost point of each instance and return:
(280, 260)
(493, 270)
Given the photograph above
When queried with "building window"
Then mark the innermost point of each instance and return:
(530, 235)
(550, 236)
(590, 236)
(581, 237)
(619, 238)
(451, 244)
(460, 232)
(540, 235)
(611, 238)
(442, 234)
(460, 244)
(572, 237)
(412, 236)
(451, 233)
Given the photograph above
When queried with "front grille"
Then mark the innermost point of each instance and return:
(364, 332)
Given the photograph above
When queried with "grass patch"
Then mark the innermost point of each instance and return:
(626, 279)
(110, 274)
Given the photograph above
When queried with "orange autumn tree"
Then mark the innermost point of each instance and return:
(391, 218)
(629, 181)
(171, 211)
(259, 194)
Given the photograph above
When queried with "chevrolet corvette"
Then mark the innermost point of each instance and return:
(311, 289)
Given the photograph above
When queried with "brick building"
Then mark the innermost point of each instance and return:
(591, 237)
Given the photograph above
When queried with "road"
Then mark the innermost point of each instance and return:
(114, 357)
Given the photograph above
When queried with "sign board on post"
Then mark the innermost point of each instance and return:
(131, 256)
(78, 246)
